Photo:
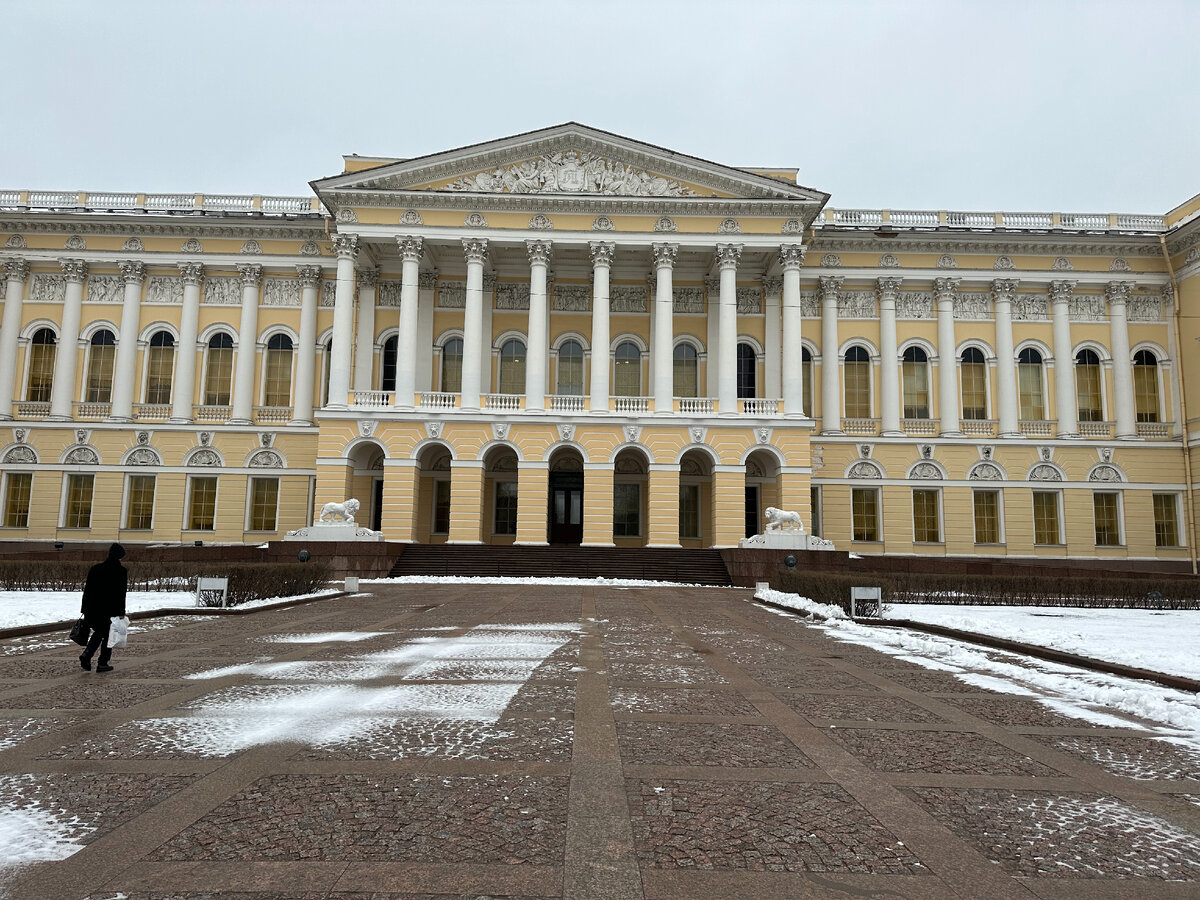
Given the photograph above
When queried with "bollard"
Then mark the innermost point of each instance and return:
(352, 584)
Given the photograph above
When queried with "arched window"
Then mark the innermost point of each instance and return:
(806, 370)
(41, 366)
(1029, 386)
(512, 367)
(102, 357)
(218, 370)
(974, 384)
(687, 371)
(627, 370)
(747, 371)
(160, 363)
(570, 369)
(452, 354)
(277, 373)
(915, 377)
(1087, 386)
(387, 366)
(857, 383)
(1145, 385)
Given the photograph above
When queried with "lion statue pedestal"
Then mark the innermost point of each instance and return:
(785, 531)
(335, 523)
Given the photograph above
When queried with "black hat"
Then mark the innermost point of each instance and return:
(116, 551)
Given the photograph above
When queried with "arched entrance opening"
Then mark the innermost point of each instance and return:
(762, 489)
(631, 525)
(432, 507)
(364, 482)
(566, 497)
(695, 499)
(500, 495)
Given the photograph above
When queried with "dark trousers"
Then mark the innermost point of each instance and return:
(99, 638)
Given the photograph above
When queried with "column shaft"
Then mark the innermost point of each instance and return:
(346, 247)
(727, 399)
(247, 353)
(306, 362)
(947, 357)
(15, 273)
(183, 393)
(537, 348)
(602, 257)
(364, 341)
(889, 356)
(1006, 364)
(472, 364)
(773, 337)
(411, 251)
(1064, 361)
(662, 353)
(125, 367)
(831, 405)
(62, 394)
(1118, 323)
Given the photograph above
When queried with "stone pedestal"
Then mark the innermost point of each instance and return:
(786, 540)
(332, 532)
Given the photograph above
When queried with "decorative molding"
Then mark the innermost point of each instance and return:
(512, 295)
(864, 469)
(1120, 264)
(16, 269)
(1003, 263)
(792, 226)
(664, 255)
(366, 427)
(346, 216)
(1062, 264)
(749, 301)
(571, 172)
(1105, 473)
(204, 456)
(191, 245)
(265, 459)
(946, 261)
(345, 246)
(75, 242)
(1145, 308)
(21, 455)
(451, 295)
(308, 276)
(791, 256)
(310, 248)
(191, 272)
(366, 277)
(772, 285)
(281, 292)
(727, 255)
(1118, 291)
(985, 471)
(475, 249)
(831, 261)
(1045, 472)
(411, 217)
(220, 291)
(572, 298)
(433, 429)
(16, 242)
(888, 287)
(105, 289)
(539, 252)
(133, 245)
(252, 247)
(1086, 307)
(1030, 307)
(926, 471)
(973, 305)
(45, 287)
(500, 430)
(856, 305)
(603, 223)
(541, 222)
(81, 456)
(602, 252)
(250, 275)
(688, 300)
(729, 226)
(74, 270)
(665, 223)
(427, 280)
(143, 456)
(566, 431)
(888, 261)
(626, 298)
(633, 433)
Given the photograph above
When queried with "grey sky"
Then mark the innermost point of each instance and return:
(1051, 105)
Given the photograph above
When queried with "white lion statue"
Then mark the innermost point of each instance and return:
(777, 519)
(344, 511)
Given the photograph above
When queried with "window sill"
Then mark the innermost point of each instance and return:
(1050, 546)
(990, 544)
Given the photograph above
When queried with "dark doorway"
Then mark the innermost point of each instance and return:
(377, 506)
(752, 514)
(566, 508)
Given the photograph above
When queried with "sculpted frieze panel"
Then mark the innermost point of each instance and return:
(914, 305)
(973, 305)
(856, 305)
(571, 298)
(628, 298)
(1030, 307)
(1087, 307)
(750, 301)
(571, 172)
(169, 289)
(511, 295)
(688, 300)
(105, 289)
(452, 295)
(47, 288)
(387, 294)
(810, 305)
(1144, 308)
(221, 291)
(281, 292)
(328, 293)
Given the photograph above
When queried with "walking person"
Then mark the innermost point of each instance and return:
(103, 598)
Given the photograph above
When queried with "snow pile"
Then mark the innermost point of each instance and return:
(801, 604)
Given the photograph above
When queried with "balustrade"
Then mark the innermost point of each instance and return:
(213, 413)
(1155, 429)
(760, 406)
(371, 399)
(631, 404)
(860, 426)
(93, 410)
(1036, 428)
(272, 414)
(32, 409)
(978, 427)
(695, 406)
(504, 402)
(1096, 429)
(924, 427)
(151, 411)
(438, 400)
(567, 402)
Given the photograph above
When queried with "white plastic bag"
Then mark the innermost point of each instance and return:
(118, 633)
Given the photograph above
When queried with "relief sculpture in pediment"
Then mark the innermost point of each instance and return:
(571, 172)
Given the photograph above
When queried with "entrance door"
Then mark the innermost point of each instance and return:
(377, 506)
(753, 519)
(566, 508)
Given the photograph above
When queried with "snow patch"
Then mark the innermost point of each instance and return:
(801, 604)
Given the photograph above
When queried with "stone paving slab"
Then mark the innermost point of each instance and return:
(613, 744)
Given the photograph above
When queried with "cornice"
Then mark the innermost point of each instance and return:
(186, 228)
(1184, 238)
(999, 243)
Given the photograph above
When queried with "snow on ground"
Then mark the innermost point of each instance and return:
(507, 579)
(31, 831)
(1159, 640)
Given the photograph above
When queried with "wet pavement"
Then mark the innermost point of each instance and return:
(583, 742)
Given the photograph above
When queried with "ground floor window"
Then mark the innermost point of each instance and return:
(814, 500)
(505, 513)
(1045, 518)
(18, 486)
(1108, 519)
(864, 509)
(987, 517)
(689, 511)
(77, 512)
(264, 503)
(927, 525)
(139, 506)
(441, 507)
(1166, 520)
(202, 504)
(627, 508)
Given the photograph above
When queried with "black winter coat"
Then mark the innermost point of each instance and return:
(104, 592)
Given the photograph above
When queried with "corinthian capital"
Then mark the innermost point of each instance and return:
(791, 256)
(1118, 291)
(411, 247)
(1060, 291)
(772, 286)
(945, 288)
(251, 275)
(367, 276)
(475, 249)
(345, 246)
(309, 276)
(539, 252)
(73, 269)
(192, 272)
(603, 253)
(889, 287)
(664, 255)
(427, 280)
(1003, 289)
(829, 284)
(728, 255)
(16, 269)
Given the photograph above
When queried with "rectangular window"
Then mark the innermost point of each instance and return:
(927, 526)
(1145, 392)
(814, 499)
(78, 512)
(864, 507)
(264, 502)
(18, 486)
(627, 507)
(974, 391)
(277, 380)
(1108, 519)
(139, 509)
(505, 515)
(858, 389)
(915, 379)
(218, 376)
(1087, 388)
(689, 510)
(987, 517)
(1045, 518)
(202, 504)
(1166, 520)
(441, 507)
(100, 373)
(159, 364)
(41, 372)
(1029, 384)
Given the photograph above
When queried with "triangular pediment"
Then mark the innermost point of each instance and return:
(572, 160)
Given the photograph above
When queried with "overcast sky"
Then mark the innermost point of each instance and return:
(1002, 105)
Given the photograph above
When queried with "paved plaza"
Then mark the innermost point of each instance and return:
(464, 740)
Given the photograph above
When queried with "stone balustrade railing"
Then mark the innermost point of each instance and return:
(131, 201)
(876, 219)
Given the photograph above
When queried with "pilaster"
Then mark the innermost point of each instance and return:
(598, 504)
(662, 505)
(889, 355)
(1064, 360)
(831, 401)
(1003, 290)
(364, 341)
(533, 499)
(466, 501)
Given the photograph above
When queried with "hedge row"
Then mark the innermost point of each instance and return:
(1093, 591)
(247, 581)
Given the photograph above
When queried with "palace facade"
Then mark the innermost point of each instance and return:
(572, 337)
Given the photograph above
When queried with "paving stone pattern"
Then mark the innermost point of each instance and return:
(671, 742)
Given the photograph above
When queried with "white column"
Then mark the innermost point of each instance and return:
(889, 355)
(247, 353)
(831, 401)
(1003, 290)
(183, 393)
(1064, 361)
(411, 251)
(727, 260)
(662, 353)
(475, 250)
(364, 341)
(1118, 323)
(15, 272)
(63, 393)
(125, 368)
(346, 248)
(602, 258)
(306, 361)
(537, 343)
(425, 297)
(791, 258)
(772, 339)
(945, 289)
